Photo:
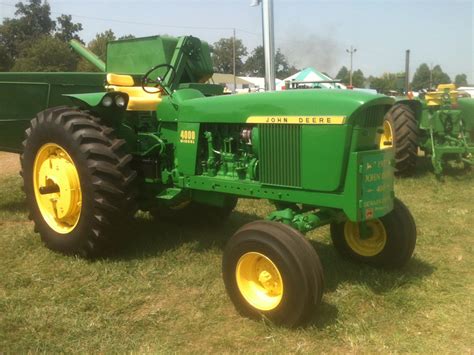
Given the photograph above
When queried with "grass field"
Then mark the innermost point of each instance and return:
(162, 289)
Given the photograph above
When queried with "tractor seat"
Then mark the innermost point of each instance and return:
(138, 99)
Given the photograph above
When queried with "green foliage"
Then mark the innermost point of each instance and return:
(99, 47)
(222, 56)
(255, 64)
(46, 54)
(283, 68)
(358, 78)
(129, 36)
(5, 59)
(99, 44)
(26, 34)
(439, 76)
(35, 19)
(426, 78)
(421, 78)
(67, 29)
(387, 82)
(460, 80)
(343, 75)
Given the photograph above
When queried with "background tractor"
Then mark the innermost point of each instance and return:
(155, 137)
(440, 123)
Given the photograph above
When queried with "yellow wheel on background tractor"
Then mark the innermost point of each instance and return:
(387, 242)
(386, 138)
(77, 179)
(271, 270)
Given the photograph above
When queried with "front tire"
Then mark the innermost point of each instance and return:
(391, 243)
(77, 179)
(270, 270)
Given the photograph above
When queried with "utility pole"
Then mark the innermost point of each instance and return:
(351, 52)
(233, 61)
(407, 71)
(431, 76)
(268, 41)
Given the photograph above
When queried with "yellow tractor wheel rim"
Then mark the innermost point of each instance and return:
(259, 281)
(369, 246)
(386, 139)
(57, 188)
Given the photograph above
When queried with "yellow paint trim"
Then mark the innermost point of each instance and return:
(53, 166)
(450, 87)
(259, 281)
(305, 120)
(120, 80)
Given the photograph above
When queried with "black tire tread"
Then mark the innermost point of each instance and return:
(302, 256)
(108, 170)
(400, 226)
(405, 138)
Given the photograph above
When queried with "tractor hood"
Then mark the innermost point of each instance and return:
(191, 106)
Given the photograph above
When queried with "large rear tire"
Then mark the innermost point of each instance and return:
(400, 123)
(78, 182)
(390, 245)
(270, 270)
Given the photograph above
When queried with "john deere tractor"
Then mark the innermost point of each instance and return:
(440, 123)
(148, 133)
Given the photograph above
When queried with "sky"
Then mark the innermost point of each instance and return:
(309, 32)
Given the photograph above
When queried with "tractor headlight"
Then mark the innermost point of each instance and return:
(120, 101)
(107, 101)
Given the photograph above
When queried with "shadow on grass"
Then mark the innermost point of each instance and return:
(14, 206)
(148, 238)
(145, 237)
(339, 270)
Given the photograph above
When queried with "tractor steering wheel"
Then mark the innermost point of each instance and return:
(158, 82)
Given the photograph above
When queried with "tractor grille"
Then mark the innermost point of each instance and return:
(280, 154)
(372, 117)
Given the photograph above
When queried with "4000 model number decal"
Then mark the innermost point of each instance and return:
(187, 136)
(326, 120)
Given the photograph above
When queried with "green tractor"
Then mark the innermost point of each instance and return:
(157, 137)
(441, 124)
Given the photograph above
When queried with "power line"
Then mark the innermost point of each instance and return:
(150, 24)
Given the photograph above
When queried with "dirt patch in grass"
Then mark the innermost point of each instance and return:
(9, 164)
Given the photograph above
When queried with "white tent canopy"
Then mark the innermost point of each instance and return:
(310, 74)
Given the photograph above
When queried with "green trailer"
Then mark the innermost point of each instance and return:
(149, 133)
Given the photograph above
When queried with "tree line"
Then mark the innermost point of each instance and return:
(33, 41)
(425, 78)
